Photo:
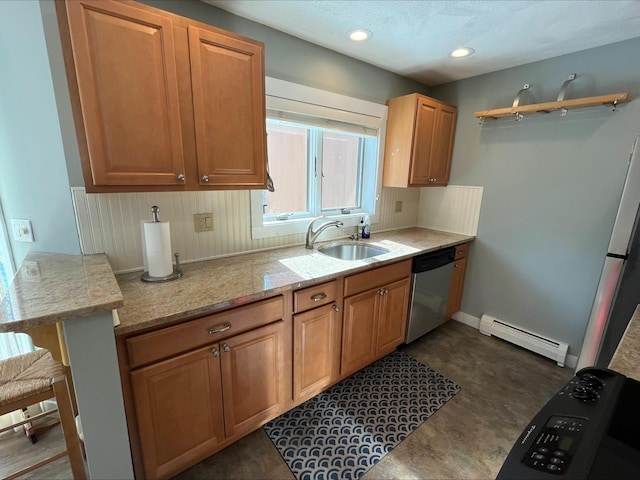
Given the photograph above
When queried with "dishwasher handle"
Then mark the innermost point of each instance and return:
(433, 260)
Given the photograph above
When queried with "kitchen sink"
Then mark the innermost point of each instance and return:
(352, 251)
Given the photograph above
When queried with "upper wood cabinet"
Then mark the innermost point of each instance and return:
(419, 142)
(162, 102)
(229, 108)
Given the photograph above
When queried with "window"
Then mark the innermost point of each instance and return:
(324, 155)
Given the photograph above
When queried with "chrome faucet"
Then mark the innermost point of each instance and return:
(313, 234)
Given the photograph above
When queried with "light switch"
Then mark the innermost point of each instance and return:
(202, 222)
(22, 231)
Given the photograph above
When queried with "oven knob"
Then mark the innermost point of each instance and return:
(591, 381)
(584, 393)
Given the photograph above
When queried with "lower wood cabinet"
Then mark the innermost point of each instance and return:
(253, 366)
(193, 388)
(375, 314)
(457, 280)
(179, 408)
(188, 405)
(317, 331)
(316, 350)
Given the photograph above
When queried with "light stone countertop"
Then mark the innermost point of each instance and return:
(51, 287)
(626, 359)
(215, 285)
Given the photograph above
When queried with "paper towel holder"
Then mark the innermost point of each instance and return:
(177, 273)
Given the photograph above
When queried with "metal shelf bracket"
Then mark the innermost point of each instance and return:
(563, 90)
(516, 101)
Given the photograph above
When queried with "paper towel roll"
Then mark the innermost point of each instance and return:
(157, 246)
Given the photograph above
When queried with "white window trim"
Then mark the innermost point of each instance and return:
(287, 96)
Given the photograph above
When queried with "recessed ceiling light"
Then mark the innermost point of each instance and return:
(462, 52)
(360, 35)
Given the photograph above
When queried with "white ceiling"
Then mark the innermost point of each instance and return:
(415, 37)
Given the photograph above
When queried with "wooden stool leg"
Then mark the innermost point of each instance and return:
(67, 421)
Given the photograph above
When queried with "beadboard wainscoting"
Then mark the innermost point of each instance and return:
(454, 208)
(111, 223)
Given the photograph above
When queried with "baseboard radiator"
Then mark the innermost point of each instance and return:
(531, 341)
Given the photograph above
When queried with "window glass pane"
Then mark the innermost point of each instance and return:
(341, 154)
(287, 147)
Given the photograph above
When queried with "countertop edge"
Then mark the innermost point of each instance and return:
(51, 287)
(127, 329)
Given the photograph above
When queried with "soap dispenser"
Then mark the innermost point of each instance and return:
(366, 227)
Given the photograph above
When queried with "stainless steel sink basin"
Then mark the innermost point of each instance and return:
(352, 251)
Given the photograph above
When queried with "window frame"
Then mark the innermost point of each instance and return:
(290, 97)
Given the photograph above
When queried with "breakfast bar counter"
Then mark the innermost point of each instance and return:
(80, 292)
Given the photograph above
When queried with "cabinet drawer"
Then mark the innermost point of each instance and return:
(153, 346)
(315, 296)
(462, 251)
(361, 282)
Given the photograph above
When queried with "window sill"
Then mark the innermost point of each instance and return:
(295, 227)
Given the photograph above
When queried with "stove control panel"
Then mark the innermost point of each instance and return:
(563, 438)
(556, 444)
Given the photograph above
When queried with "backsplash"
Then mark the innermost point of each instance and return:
(110, 223)
(454, 208)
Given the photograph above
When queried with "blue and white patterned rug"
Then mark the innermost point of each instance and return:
(344, 431)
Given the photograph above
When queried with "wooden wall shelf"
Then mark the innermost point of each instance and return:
(547, 107)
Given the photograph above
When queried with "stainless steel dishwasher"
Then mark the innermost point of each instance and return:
(430, 291)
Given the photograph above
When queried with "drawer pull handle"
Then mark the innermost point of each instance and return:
(318, 297)
(224, 328)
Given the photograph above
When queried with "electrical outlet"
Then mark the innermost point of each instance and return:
(22, 231)
(30, 270)
(203, 222)
(398, 206)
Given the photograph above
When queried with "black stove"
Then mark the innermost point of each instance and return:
(589, 430)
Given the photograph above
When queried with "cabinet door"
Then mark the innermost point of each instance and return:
(359, 331)
(424, 136)
(392, 317)
(440, 163)
(253, 378)
(227, 76)
(316, 350)
(127, 84)
(457, 284)
(179, 411)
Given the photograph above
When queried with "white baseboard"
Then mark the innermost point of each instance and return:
(467, 319)
(571, 360)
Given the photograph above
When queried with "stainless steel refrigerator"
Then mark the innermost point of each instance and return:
(618, 292)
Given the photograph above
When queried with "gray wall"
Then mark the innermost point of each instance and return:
(33, 183)
(551, 187)
(294, 60)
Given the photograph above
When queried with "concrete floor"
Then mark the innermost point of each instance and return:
(503, 386)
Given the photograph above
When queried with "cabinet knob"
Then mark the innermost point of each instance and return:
(383, 292)
(180, 177)
(215, 352)
(205, 178)
(336, 307)
(226, 347)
